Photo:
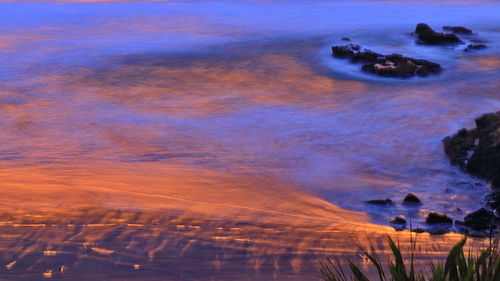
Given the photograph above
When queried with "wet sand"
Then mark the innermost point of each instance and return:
(182, 141)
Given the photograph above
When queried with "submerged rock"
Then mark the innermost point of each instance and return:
(477, 151)
(345, 39)
(394, 65)
(428, 36)
(472, 47)
(411, 199)
(418, 230)
(438, 218)
(480, 219)
(380, 202)
(457, 29)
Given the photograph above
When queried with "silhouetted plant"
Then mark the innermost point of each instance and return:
(483, 265)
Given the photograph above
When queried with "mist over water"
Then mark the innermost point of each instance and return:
(225, 117)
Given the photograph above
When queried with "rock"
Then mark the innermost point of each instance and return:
(458, 146)
(345, 51)
(477, 151)
(398, 220)
(472, 47)
(480, 219)
(380, 202)
(411, 199)
(457, 29)
(394, 65)
(428, 36)
(355, 53)
(493, 200)
(345, 39)
(438, 231)
(435, 218)
(422, 28)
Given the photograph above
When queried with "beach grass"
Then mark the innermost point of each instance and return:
(460, 265)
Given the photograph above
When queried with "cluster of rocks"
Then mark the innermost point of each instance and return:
(477, 152)
(394, 65)
(409, 199)
(427, 36)
(399, 66)
(477, 223)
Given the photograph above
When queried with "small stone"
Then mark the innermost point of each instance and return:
(380, 202)
(457, 29)
(398, 220)
(472, 47)
(438, 231)
(436, 218)
(412, 199)
(480, 219)
(345, 39)
(418, 230)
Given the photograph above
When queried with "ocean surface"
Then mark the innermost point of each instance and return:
(220, 140)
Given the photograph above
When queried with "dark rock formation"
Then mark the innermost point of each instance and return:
(435, 218)
(457, 29)
(458, 146)
(438, 231)
(472, 47)
(398, 220)
(380, 202)
(428, 36)
(480, 220)
(493, 200)
(411, 199)
(394, 65)
(345, 39)
(355, 53)
(477, 151)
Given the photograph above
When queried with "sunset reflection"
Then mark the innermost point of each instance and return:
(195, 140)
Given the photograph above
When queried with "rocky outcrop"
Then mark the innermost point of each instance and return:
(427, 35)
(394, 65)
(477, 151)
